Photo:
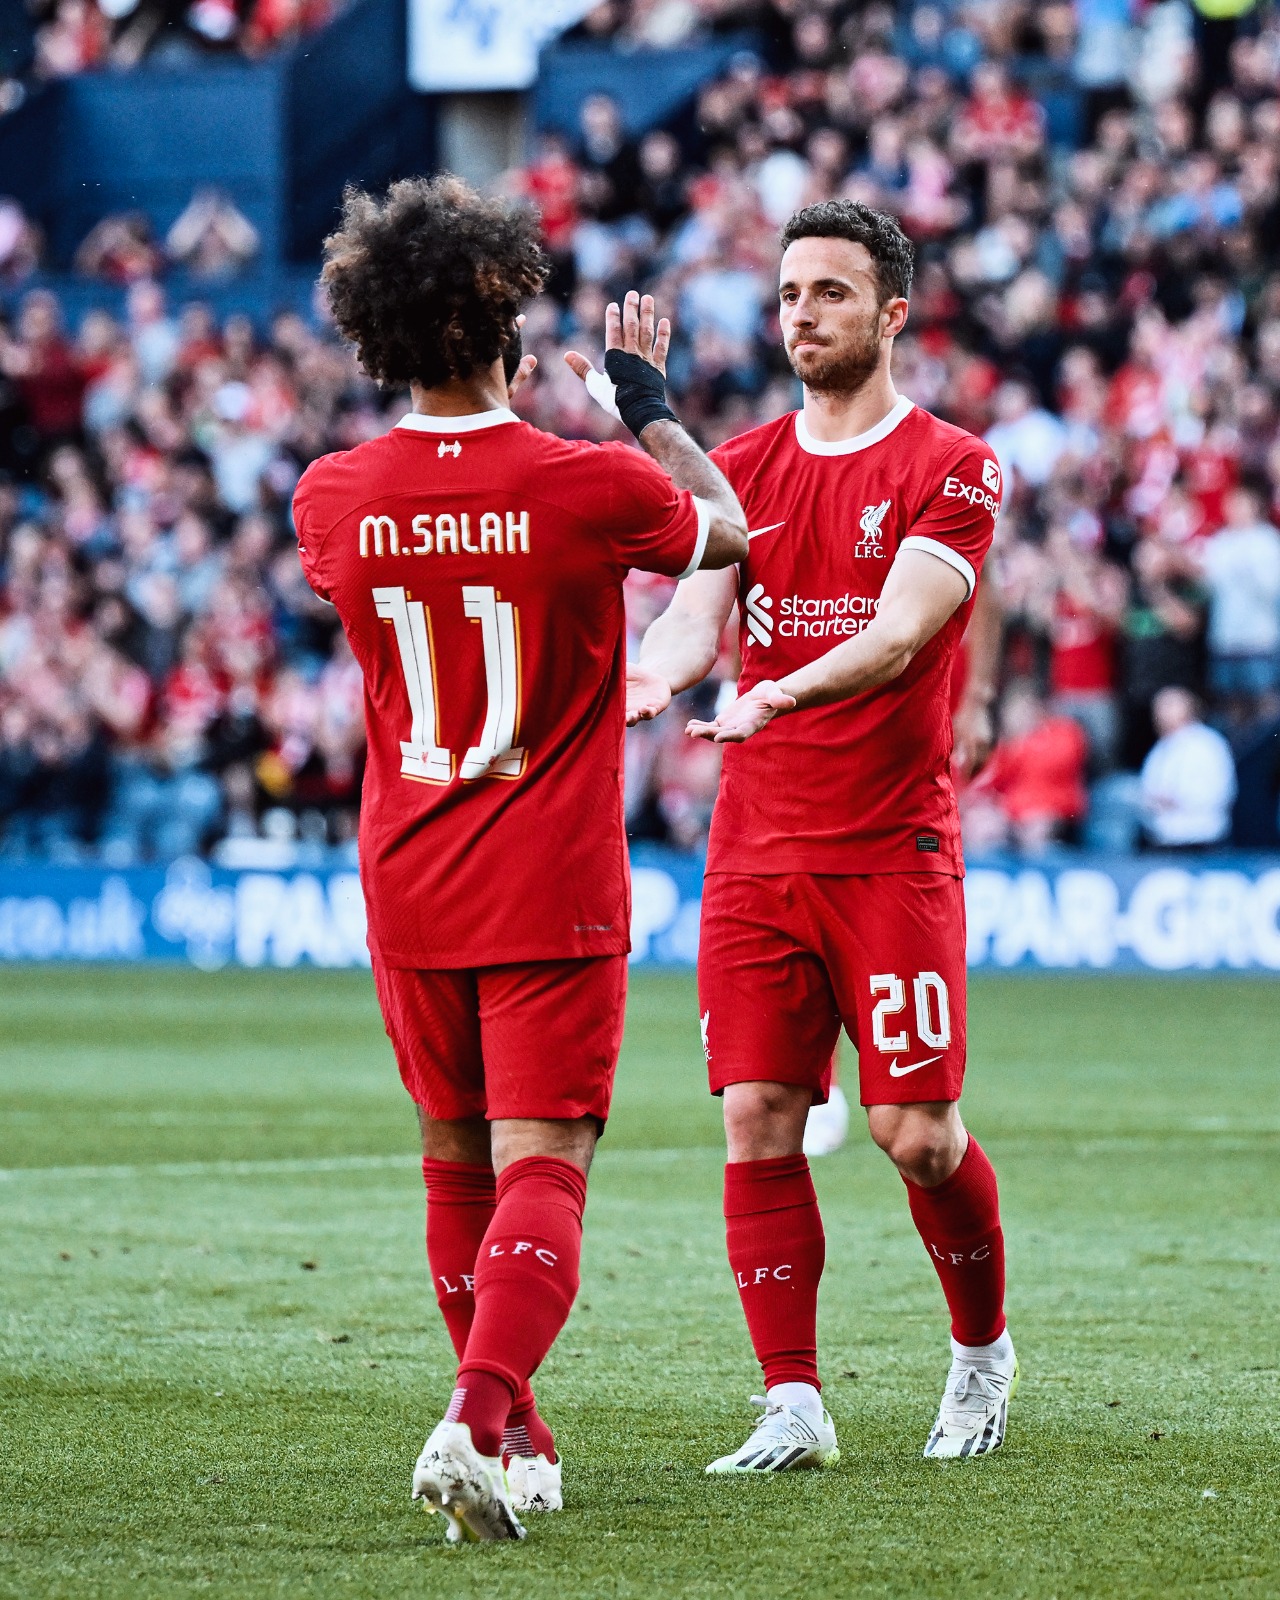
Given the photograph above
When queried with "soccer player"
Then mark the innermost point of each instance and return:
(833, 891)
(477, 565)
(973, 689)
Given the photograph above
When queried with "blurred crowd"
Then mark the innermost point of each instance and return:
(1097, 293)
(167, 678)
(210, 240)
(1094, 193)
(43, 40)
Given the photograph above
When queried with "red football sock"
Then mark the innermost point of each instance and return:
(777, 1250)
(959, 1222)
(460, 1203)
(526, 1279)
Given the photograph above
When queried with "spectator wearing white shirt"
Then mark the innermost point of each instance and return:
(1027, 439)
(1188, 779)
(1241, 567)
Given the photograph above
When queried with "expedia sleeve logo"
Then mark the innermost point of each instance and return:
(955, 489)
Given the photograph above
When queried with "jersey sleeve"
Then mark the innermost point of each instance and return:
(655, 526)
(306, 526)
(957, 524)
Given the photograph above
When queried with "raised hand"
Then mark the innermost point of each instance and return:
(630, 327)
(648, 694)
(747, 715)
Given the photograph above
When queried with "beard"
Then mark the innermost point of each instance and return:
(839, 370)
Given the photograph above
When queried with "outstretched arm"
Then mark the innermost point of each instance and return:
(681, 646)
(920, 593)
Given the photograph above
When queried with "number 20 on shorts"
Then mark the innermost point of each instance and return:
(497, 754)
(933, 1011)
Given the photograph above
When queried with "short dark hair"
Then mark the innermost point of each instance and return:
(891, 250)
(427, 282)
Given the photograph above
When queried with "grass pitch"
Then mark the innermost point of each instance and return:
(219, 1355)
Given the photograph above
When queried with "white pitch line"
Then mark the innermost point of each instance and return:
(268, 1168)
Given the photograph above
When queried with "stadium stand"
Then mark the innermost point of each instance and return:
(1097, 227)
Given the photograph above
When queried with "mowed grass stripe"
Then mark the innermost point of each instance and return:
(215, 1376)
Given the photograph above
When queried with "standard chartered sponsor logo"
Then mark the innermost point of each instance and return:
(806, 617)
(803, 617)
(759, 621)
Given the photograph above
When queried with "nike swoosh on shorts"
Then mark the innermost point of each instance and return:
(895, 1071)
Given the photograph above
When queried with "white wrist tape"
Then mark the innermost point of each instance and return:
(602, 391)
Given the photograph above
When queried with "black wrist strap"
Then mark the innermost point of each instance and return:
(640, 391)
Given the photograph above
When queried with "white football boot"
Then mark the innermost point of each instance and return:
(469, 1488)
(535, 1483)
(784, 1440)
(827, 1127)
(975, 1403)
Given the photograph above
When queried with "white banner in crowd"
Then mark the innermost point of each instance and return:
(1098, 913)
(459, 45)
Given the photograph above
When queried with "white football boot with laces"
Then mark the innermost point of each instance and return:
(975, 1403)
(469, 1488)
(784, 1440)
(535, 1483)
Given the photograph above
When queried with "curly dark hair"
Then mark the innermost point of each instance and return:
(427, 282)
(891, 250)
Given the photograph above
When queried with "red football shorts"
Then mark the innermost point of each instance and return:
(785, 960)
(535, 1039)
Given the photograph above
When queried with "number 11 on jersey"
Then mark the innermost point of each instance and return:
(496, 754)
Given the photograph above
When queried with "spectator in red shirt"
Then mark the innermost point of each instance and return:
(1032, 793)
(999, 121)
(1085, 611)
(46, 369)
(551, 181)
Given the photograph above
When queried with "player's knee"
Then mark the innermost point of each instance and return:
(763, 1119)
(924, 1150)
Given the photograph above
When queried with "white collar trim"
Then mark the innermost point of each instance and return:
(860, 441)
(419, 423)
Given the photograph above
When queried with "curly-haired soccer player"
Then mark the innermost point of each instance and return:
(477, 566)
(833, 892)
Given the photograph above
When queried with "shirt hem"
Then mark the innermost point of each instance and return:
(855, 867)
(453, 959)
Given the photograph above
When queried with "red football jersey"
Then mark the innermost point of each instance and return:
(863, 785)
(477, 566)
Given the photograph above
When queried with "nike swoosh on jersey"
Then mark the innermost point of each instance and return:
(895, 1071)
(758, 531)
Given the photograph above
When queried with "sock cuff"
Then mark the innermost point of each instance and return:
(776, 1183)
(491, 1369)
(458, 1182)
(558, 1180)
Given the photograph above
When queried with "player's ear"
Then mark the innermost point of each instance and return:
(893, 317)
